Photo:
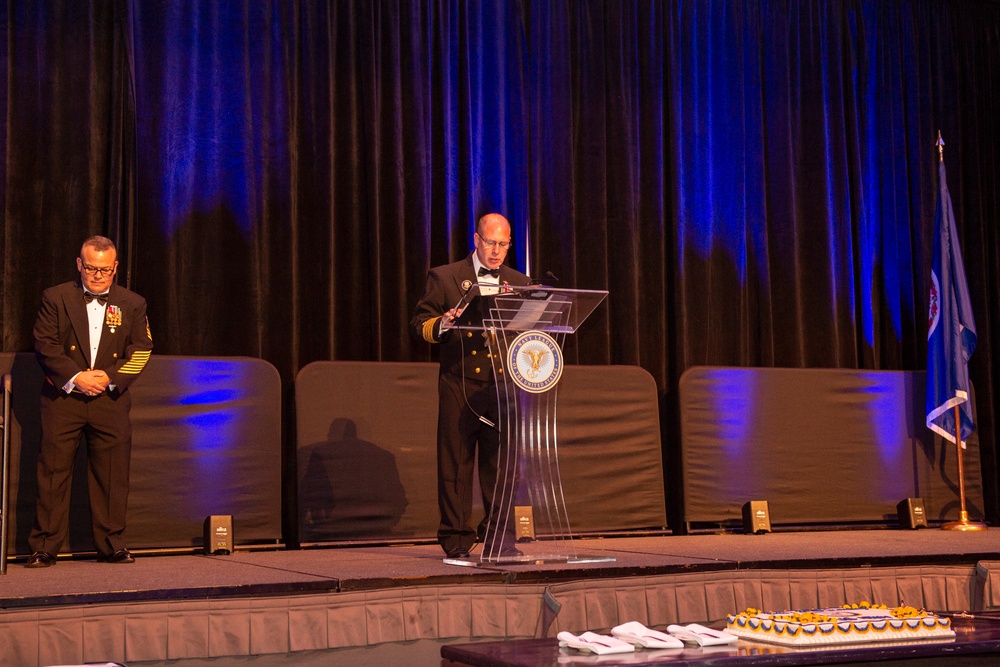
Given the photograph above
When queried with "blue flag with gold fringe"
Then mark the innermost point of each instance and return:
(951, 328)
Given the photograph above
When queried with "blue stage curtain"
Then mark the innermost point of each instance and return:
(753, 181)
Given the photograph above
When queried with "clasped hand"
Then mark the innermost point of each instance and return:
(92, 382)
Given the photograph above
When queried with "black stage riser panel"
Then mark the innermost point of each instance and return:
(206, 440)
(820, 445)
(366, 450)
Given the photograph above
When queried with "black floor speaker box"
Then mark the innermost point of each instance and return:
(911, 513)
(524, 515)
(219, 535)
(756, 518)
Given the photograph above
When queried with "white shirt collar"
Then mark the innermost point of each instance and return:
(476, 265)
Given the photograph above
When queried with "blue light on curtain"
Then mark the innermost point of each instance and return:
(212, 120)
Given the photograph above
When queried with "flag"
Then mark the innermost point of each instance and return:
(951, 329)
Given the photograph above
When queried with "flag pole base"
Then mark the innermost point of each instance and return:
(963, 524)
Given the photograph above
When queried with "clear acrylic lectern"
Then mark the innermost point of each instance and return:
(525, 328)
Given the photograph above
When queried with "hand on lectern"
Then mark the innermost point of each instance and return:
(450, 316)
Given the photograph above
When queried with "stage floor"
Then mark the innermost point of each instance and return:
(359, 598)
(343, 569)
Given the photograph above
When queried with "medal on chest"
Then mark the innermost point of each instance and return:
(113, 317)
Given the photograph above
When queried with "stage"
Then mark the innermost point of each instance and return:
(373, 584)
(276, 601)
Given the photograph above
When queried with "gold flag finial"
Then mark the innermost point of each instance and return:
(940, 144)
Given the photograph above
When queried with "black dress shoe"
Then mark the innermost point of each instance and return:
(121, 556)
(40, 559)
(457, 552)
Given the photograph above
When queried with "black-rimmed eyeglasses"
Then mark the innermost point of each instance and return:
(94, 270)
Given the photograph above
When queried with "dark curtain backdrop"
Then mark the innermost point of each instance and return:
(754, 182)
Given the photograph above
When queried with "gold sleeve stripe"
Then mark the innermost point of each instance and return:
(428, 330)
(135, 365)
(149, 334)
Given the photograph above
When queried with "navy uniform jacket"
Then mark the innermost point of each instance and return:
(62, 339)
(444, 290)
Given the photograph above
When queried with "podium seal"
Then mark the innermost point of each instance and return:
(535, 361)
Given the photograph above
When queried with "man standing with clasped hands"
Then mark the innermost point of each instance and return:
(92, 339)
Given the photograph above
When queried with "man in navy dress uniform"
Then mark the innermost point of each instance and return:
(466, 383)
(92, 340)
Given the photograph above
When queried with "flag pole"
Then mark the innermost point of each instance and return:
(963, 523)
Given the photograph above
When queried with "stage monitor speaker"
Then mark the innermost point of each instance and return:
(525, 517)
(911, 513)
(219, 535)
(756, 517)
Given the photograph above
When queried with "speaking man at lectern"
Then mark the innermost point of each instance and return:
(466, 383)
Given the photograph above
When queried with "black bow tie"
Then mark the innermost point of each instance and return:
(90, 296)
(483, 271)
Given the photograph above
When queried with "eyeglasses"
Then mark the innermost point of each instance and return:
(94, 270)
(489, 244)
